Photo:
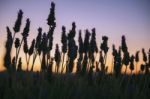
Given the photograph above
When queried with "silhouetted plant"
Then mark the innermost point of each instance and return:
(24, 36)
(52, 24)
(57, 58)
(44, 51)
(38, 41)
(86, 41)
(131, 63)
(117, 60)
(37, 50)
(84, 64)
(72, 48)
(101, 61)
(97, 67)
(145, 61)
(146, 69)
(18, 22)
(114, 53)
(19, 65)
(142, 68)
(51, 18)
(126, 60)
(30, 52)
(80, 40)
(86, 49)
(137, 59)
(17, 43)
(93, 47)
(104, 47)
(144, 55)
(126, 56)
(25, 49)
(64, 45)
(80, 51)
(26, 30)
(124, 45)
(8, 46)
(13, 64)
(31, 49)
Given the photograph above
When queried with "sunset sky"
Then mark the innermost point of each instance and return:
(112, 18)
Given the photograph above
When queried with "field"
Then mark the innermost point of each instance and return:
(90, 80)
(29, 85)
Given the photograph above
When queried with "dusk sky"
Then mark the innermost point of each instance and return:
(112, 18)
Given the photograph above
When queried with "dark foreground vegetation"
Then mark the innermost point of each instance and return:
(90, 80)
(29, 85)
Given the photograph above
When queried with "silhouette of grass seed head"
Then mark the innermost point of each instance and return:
(32, 47)
(17, 43)
(18, 22)
(26, 29)
(144, 55)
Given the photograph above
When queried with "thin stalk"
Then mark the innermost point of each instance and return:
(136, 67)
(16, 58)
(14, 36)
(19, 50)
(55, 69)
(63, 54)
(40, 59)
(65, 66)
(105, 58)
(57, 64)
(28, 63)
(34, 58)
(48, 58)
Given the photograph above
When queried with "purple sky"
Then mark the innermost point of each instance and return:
(113, 18)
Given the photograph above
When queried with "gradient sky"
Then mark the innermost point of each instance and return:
(112, 18)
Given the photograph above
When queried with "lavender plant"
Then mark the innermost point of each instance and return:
(72, 48)
(104, 47)
(93, 48)
(44, 51)
(52, 24)
(24, 36)
(19, 65)
(137, 60)
(64, 46)
(57, 58)
(86, 50)
(145, 61)
(37, 50)
(25, 49)
(117, 61)
(80, 51)
(131, 63)
(126, 56)
(30, 52)
(18, 22)
(8, 46)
